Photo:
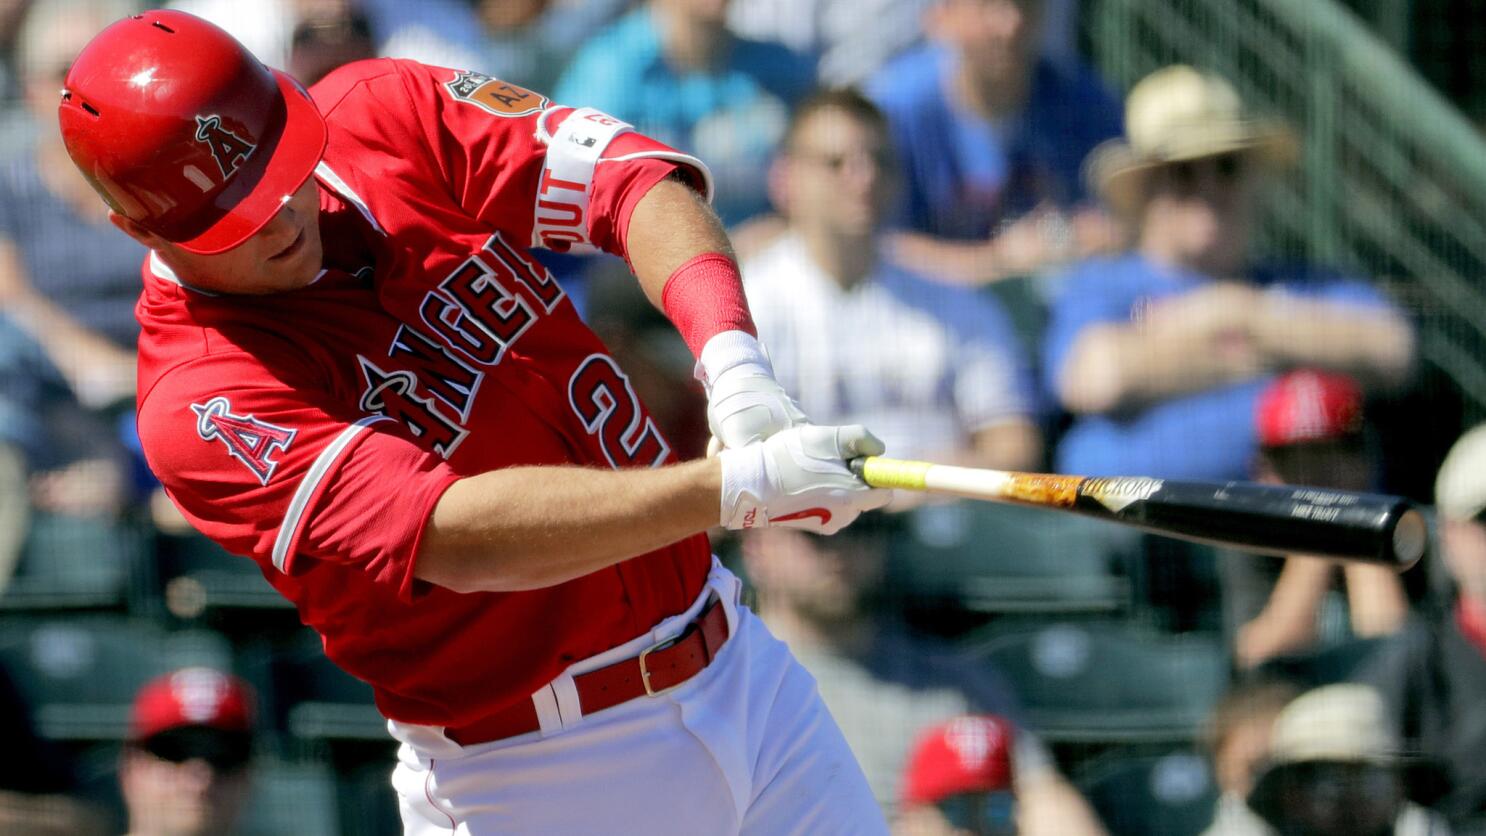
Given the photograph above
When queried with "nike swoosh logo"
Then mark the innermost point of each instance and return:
(819, 513)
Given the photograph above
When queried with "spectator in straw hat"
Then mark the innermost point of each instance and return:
(184, 770)
(1336, 768)
(1311, 431)
(1433, 674)
(1161, 353)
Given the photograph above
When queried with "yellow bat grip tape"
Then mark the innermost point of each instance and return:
(895, 473)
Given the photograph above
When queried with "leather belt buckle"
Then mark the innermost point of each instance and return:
(645, 670)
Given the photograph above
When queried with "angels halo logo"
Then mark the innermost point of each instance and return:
(228, 149)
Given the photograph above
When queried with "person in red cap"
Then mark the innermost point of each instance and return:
(1311, 431)
(184, 769)
(354, 371)
(959, 780)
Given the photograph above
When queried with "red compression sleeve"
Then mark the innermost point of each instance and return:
(704, 298)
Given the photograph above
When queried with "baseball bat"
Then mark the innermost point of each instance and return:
(1271, 519)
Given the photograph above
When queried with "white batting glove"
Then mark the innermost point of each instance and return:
(744, 402)
(798, 478)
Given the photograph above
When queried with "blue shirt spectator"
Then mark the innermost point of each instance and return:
(527, 43)
(850, 39)
(730, 113)
(1161, 354)
(964, 174)
(1209, 434)
(82, 265)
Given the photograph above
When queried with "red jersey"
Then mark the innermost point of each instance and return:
(315, 430)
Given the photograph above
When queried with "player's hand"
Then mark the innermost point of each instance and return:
(798, 478)
(745, 404)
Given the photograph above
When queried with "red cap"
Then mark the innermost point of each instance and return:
(1308, 405)
(966, 754)
(192, 697)
(180, 128)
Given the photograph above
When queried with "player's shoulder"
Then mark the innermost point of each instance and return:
(341, 82)
(202, 367)
(368, 83)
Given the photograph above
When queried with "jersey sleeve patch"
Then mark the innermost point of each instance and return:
(254, 443)
(494, 96)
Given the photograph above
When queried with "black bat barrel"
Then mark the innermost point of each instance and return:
(1272, 519)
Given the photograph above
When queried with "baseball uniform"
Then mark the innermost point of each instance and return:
(314, 431)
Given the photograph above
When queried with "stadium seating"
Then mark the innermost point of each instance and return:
(1010, 559)
(201, 578)
(1108, 683)
(81, 673)
(1171, 794)
(75, 563)
(317, 701)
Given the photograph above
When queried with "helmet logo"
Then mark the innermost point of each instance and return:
(228, 149)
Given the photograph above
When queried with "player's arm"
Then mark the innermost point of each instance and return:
(684, 262)
(532, 527)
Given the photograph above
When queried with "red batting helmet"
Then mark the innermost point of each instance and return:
(180, 128)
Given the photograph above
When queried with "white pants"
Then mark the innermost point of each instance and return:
(744, 747)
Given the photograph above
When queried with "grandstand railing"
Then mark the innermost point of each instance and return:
(1392, 182)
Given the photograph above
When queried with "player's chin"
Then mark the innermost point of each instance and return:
(300, 268)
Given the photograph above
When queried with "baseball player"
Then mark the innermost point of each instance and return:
(353, 371)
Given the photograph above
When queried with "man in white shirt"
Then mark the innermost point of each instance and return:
(936, 370)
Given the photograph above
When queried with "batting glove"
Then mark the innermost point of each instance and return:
(798, 478)
(744, 402)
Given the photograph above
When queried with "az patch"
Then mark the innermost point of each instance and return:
(495, 96)
(250, 441)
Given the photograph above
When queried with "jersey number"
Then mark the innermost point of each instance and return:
(606, 403)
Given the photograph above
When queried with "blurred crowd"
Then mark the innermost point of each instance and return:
(951, 230)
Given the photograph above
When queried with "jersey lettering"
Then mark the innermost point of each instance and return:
(395, 395)
(527, 270)
(502, 313)
(480, 309)
(442, 374)
(228, 149)
(249, 440)
(605, 402)
(459, 330)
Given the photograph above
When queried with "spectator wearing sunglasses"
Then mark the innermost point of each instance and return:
(184, 770)
(936, 371)
(1161, 354)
